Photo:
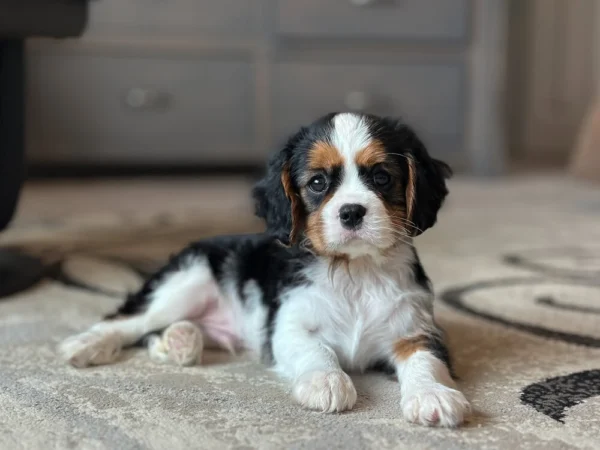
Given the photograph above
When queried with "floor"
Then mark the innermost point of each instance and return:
(515, 263)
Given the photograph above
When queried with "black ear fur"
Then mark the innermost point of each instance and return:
(272, 202)
(428, 177)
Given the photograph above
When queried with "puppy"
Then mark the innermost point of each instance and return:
(334, 285)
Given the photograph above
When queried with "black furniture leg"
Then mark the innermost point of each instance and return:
(12, 169)
(17, 271)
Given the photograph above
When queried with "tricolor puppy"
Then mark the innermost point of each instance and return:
(334, 286)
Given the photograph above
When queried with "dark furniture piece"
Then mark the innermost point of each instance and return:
(11, 126)
(20, 19)
(151, 80)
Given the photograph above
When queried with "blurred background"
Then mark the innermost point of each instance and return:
(174, 97)
(162, 85)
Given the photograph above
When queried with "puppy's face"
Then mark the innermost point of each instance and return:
(352, 189)
(351, 185)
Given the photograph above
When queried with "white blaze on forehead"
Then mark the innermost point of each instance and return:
(350, 135)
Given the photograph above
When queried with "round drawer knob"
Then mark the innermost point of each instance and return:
(137, 97)
(141, 98)
(362, 2)
(357, 101)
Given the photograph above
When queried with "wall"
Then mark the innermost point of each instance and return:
(208, 83)
(551, 76)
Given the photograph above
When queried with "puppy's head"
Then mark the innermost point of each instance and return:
(352, 185)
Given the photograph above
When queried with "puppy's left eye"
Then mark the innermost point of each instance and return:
(381, 178)
(317, 183)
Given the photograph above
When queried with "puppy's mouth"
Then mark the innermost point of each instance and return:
(352, 240)
(349, 235)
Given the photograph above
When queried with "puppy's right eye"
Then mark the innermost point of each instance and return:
(318, 183)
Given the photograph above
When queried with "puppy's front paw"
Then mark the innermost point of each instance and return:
(325, 391)
(437, 405)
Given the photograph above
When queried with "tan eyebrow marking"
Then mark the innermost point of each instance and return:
(372, 154)
(324, 156)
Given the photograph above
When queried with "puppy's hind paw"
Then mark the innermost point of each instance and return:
(92, 348)
(183, 343)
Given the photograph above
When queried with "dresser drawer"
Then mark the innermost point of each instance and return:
(429, 97)
(87, 109)
(174, 17)
(404, 19)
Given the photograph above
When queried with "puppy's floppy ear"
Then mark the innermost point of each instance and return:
(425, 188)
(276, 197)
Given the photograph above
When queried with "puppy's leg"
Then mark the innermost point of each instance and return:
(102, 343)
(429, 393)
(319, 383)
(182, 290)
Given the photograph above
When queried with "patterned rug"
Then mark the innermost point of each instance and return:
(515, 263)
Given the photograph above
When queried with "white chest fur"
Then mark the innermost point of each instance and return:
(360, 310)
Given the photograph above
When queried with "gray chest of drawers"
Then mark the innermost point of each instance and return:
(224, 82)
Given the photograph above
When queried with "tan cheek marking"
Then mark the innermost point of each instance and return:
(372, 154)
(397, 211)
(405, 348)
(375, 154)
(314, 232)
(324, 156)
(398, 217)
(315, 228)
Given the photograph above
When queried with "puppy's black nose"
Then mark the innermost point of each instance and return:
(351, 215)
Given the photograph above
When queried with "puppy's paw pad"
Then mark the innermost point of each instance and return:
(325, 391)
(436, 406)
(183, 343)
(91, 348)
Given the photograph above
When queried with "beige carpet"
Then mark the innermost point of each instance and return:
(516, 264)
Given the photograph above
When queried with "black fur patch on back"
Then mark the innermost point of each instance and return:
(138, 302)
(258, 258)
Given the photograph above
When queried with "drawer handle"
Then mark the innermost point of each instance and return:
(357, 101)
(140, 98)
(362, 3)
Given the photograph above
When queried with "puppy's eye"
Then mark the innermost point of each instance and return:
(381, 178)
(318, 183)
